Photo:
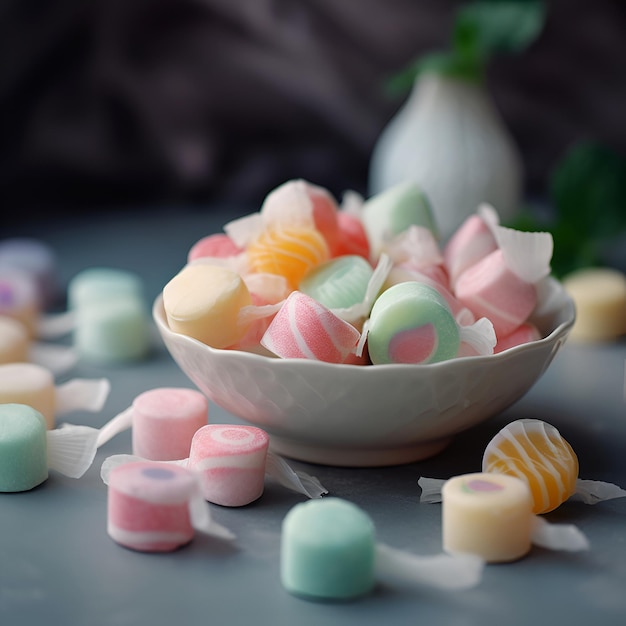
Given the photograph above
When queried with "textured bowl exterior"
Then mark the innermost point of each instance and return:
(369, 415)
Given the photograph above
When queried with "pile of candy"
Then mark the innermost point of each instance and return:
(367, 282)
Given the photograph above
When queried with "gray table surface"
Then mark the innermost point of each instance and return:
(58, 565)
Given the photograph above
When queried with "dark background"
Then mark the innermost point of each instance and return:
(111, 104)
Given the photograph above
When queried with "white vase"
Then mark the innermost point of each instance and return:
(451, 140)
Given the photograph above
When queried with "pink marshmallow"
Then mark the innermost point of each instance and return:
(164, 421)
(148, 506)
(473, 241)
(230, 462)
(490, 289)
(218, 245)
(523, 334)
(305, 329)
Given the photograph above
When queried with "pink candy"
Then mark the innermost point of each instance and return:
(230, 461)
(305, 329)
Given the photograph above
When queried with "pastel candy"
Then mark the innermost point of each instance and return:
(164, 421)
(114, 330)
(411, 323)
(392, 211)
(204, 301)
(101, 284)
(600, 298)
(23, 446)
(35, 258)
(536, 453)
(30, 384)
(290, 252)
(19, 298)
(352, 238)
(305, 329)
(327, 550)
(230, 461)
(217, 245)
(489, 515)
(339, 283)
(471, 242)
(148, 506)
(490, 289)
(525, 333)
(14, 340)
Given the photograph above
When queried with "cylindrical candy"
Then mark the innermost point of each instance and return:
(101, 284)
(535, 452)
(411, 323)
(23, 448)
(148, 506)
(164, 421)
(305, 329)
(489, 515)
(327, 550)
(230, 461)
(14, 340)
(19, 298)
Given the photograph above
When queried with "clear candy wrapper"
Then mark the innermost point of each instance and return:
(82, 394)
(71, 449)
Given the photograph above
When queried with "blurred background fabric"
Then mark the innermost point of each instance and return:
(111, 103)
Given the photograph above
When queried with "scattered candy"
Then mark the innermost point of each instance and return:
(28, 449)
(329, 552)
(163, 421)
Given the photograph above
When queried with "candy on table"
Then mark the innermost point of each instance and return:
(231, 462)
(37, 259)
(33, 385)
(19, 298)
(411, 323)
(535, 452)
(502, 286)
(99, 284)
(204, 301)
(156, 508)
(112, 331)
(290, 252)
(163, 420)
(217, 245)
(305, 329)
(28, 449)
(490, 515)
(471, 242)
(17, 346)
(600, 297)
(392, 211)
(329, 552)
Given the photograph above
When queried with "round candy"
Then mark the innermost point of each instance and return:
(165, 421)
(289, 252)
(535, 452)
(23, 448)
(327, 550)
(148, 506)
(411, 323)
(488, 515)
(338, 283)
(230, 460)
(203, 302)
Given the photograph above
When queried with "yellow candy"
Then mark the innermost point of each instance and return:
(288, 252)
(537, 453)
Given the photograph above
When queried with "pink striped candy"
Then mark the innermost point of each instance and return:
(230, 461)
(148, 506)
(490, 289)
(305, 329)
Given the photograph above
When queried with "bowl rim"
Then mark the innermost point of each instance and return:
(560, 331)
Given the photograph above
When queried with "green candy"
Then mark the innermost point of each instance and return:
(23, 448)
(406, 315)
(327, 550)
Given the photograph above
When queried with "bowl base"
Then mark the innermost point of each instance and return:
(358, 457)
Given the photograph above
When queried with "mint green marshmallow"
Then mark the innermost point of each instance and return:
(101, 284)
(406, 307)
(23, 448)
(338, 283)
(327, 550)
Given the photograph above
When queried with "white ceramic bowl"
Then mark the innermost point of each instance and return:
(374, 415)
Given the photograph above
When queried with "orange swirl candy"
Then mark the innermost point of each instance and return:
(537, 453)
(289, 252)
